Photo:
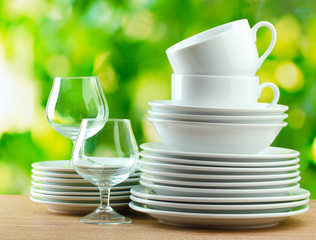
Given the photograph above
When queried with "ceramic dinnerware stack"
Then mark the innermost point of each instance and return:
(215, 167)
(62, 190)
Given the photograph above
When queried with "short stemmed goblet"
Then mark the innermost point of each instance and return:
(105, 159)
(72, 99)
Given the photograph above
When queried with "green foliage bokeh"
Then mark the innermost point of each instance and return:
(124, 43)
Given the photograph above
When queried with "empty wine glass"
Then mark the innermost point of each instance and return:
(72, 99)
(105, 159)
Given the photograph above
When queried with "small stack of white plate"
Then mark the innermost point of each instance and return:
(219, 190)
(62, 190)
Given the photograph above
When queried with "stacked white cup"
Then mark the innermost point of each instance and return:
(217, 68)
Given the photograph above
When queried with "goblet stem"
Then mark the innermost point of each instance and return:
(105, 214)
(105, 198)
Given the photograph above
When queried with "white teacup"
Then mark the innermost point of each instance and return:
(228, 50)
(219, 91)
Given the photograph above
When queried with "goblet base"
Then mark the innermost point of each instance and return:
(104, 215)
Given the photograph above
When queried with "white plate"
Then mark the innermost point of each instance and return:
(220, 208)
(176, 168)
(270, 154)
(78, 182)
(168, 106)
(69, 192)
(232, 184)
(219, 177)
(219, 118)
(142, 192)
(73, 193)
(56, 175)
(77, 188)
(58, 166)
(76, 208)
(83, 199)
(224, 221)
(222, 163)
(220, 192)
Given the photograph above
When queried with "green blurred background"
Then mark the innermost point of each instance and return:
(124, 43)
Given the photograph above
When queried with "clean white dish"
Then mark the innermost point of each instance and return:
(261, 109)
(217, 137)
(219, 177)
(148, 193)
(176, 168)
(212, 162)
(270, 154)
(59, 166)
(224, 221)
(219, 192)
(76, 208)
(55, 175)
(75, 181)
(64, 187)
(220, 208)
(218, 118)
(74, 193)
(68, 192)
(96, 199)
(233, 184)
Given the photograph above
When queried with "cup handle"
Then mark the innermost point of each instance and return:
(276, 92)
(273, 39)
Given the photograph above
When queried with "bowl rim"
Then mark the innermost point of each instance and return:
(177, 122)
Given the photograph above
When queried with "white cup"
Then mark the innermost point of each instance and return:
(228, 50)
(219, 91)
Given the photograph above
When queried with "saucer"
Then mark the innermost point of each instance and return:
(169, 106)
(219, 118)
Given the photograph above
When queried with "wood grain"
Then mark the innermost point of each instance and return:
(20, 219)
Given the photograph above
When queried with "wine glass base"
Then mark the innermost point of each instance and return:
(104, 216)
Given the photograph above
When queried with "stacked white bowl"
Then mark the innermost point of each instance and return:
(62, 190)
(215, 167)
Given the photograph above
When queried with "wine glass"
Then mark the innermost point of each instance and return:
(105, 159)
(72, 99)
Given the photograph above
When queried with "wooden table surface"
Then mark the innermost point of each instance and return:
(20, 218)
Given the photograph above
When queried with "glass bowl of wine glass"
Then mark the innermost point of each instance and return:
(105, 159)
(72, 99)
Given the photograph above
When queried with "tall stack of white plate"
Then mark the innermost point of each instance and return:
(62, 190)
(234, 188)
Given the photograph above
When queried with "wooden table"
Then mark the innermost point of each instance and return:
(20, 218)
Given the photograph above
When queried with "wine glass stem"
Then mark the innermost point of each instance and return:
(105, 198)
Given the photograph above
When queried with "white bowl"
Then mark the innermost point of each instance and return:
(218, 118)
(217, 137)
